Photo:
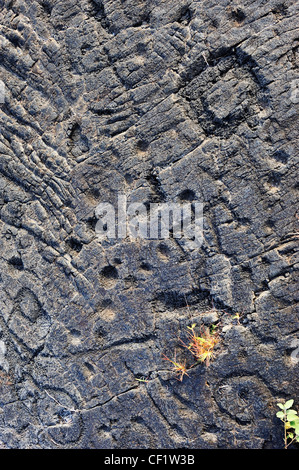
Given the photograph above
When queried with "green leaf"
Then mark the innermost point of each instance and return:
(280, 406)
(291, 435)
(291, 414)
(293, 417)
(294, 423)
(288, 404)
(280, 414)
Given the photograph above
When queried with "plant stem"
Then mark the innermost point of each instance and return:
(285, 431)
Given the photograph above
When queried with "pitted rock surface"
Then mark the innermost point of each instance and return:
(164, 102)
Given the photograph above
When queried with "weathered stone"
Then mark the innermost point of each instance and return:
(193, 102)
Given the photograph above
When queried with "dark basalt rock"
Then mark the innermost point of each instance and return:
(196, 102)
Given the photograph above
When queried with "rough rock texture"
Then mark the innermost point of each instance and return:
(164, 101)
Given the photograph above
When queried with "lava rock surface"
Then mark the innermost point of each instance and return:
(165, 102)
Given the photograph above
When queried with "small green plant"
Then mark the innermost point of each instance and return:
(237, 317)
(291, 422)
(142, 380)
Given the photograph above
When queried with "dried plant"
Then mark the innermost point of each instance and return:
(179, 368)
(202, 347)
